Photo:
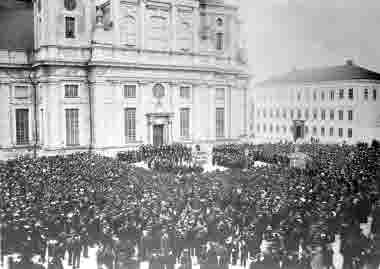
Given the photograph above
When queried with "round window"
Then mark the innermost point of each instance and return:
(219, 22)
(158, 91)
(70, 4)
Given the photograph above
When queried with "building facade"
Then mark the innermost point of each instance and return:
(111, 75)
(330, 104)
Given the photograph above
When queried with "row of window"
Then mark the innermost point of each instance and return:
(72, 125)
(284, 115)
(341, 94)
(70, 33)
(277, 128)
(332, 95)
(72, 91)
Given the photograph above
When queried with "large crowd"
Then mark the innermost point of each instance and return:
(171, 158)
(66, 204)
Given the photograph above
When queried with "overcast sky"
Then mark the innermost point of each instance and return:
(283, 34)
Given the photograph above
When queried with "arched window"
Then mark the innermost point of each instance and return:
(158, 90)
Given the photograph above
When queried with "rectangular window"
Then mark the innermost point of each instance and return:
(365, 94)
(350, 115)
(340, 132)
(349, 132)
(332, 95)
(70, 27)
(185, 122)
(306, 114)
(258, 113)
(292, 114)
(299, 114)
(299, 96)
(130, 124)
(219, 41)
(71, 91)
(220, 94)
(315, 114)
(332, 115)
(331, 131)
(341, 93)
(374, 94)
(258, 128)
(184, 92)
(340, 114)
(220, 122)
(314, 96)
(130, 91)
(284, 113)
(21, 92)
(22, 126)
(72, 127)
(351, 94)
(314, 130)
(322, 131)
(323, 114)
(322, 96)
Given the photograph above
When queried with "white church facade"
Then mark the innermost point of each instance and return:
(112, 75)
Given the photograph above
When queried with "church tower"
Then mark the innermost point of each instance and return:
(63, 23)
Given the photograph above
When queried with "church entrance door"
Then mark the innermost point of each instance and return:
(158, 134)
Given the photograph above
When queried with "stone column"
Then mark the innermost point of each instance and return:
(228, 112)
(196, 25)
(212, 112)
(55, 116)
(115, 8)
(173, 27)
(142, 25)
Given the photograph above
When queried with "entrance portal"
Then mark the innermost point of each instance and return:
(158, 134)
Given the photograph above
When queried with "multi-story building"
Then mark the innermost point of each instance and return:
(331, 104)
(110, 75)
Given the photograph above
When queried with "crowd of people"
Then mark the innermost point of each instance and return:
(66, 204)
(163, 158)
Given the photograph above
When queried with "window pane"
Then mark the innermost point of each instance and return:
(130, 124)
(340, 114)
(332, 95)
(349, 134)
(351, 94)
(374, 94)
(220, 122)
(184, 92)
(332, 114)
(22, 126)
(219, 41)
(130, 91)
(350, 115)
(70, 27)
(71, 91)
(72, 127)
(185, 122)
(340, 131)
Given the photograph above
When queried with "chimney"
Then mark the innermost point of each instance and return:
(350, 62)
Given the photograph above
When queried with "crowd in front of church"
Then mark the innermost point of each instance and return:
(260, 217)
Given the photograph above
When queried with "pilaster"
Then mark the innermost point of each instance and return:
(115, 15)
(142, 8)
